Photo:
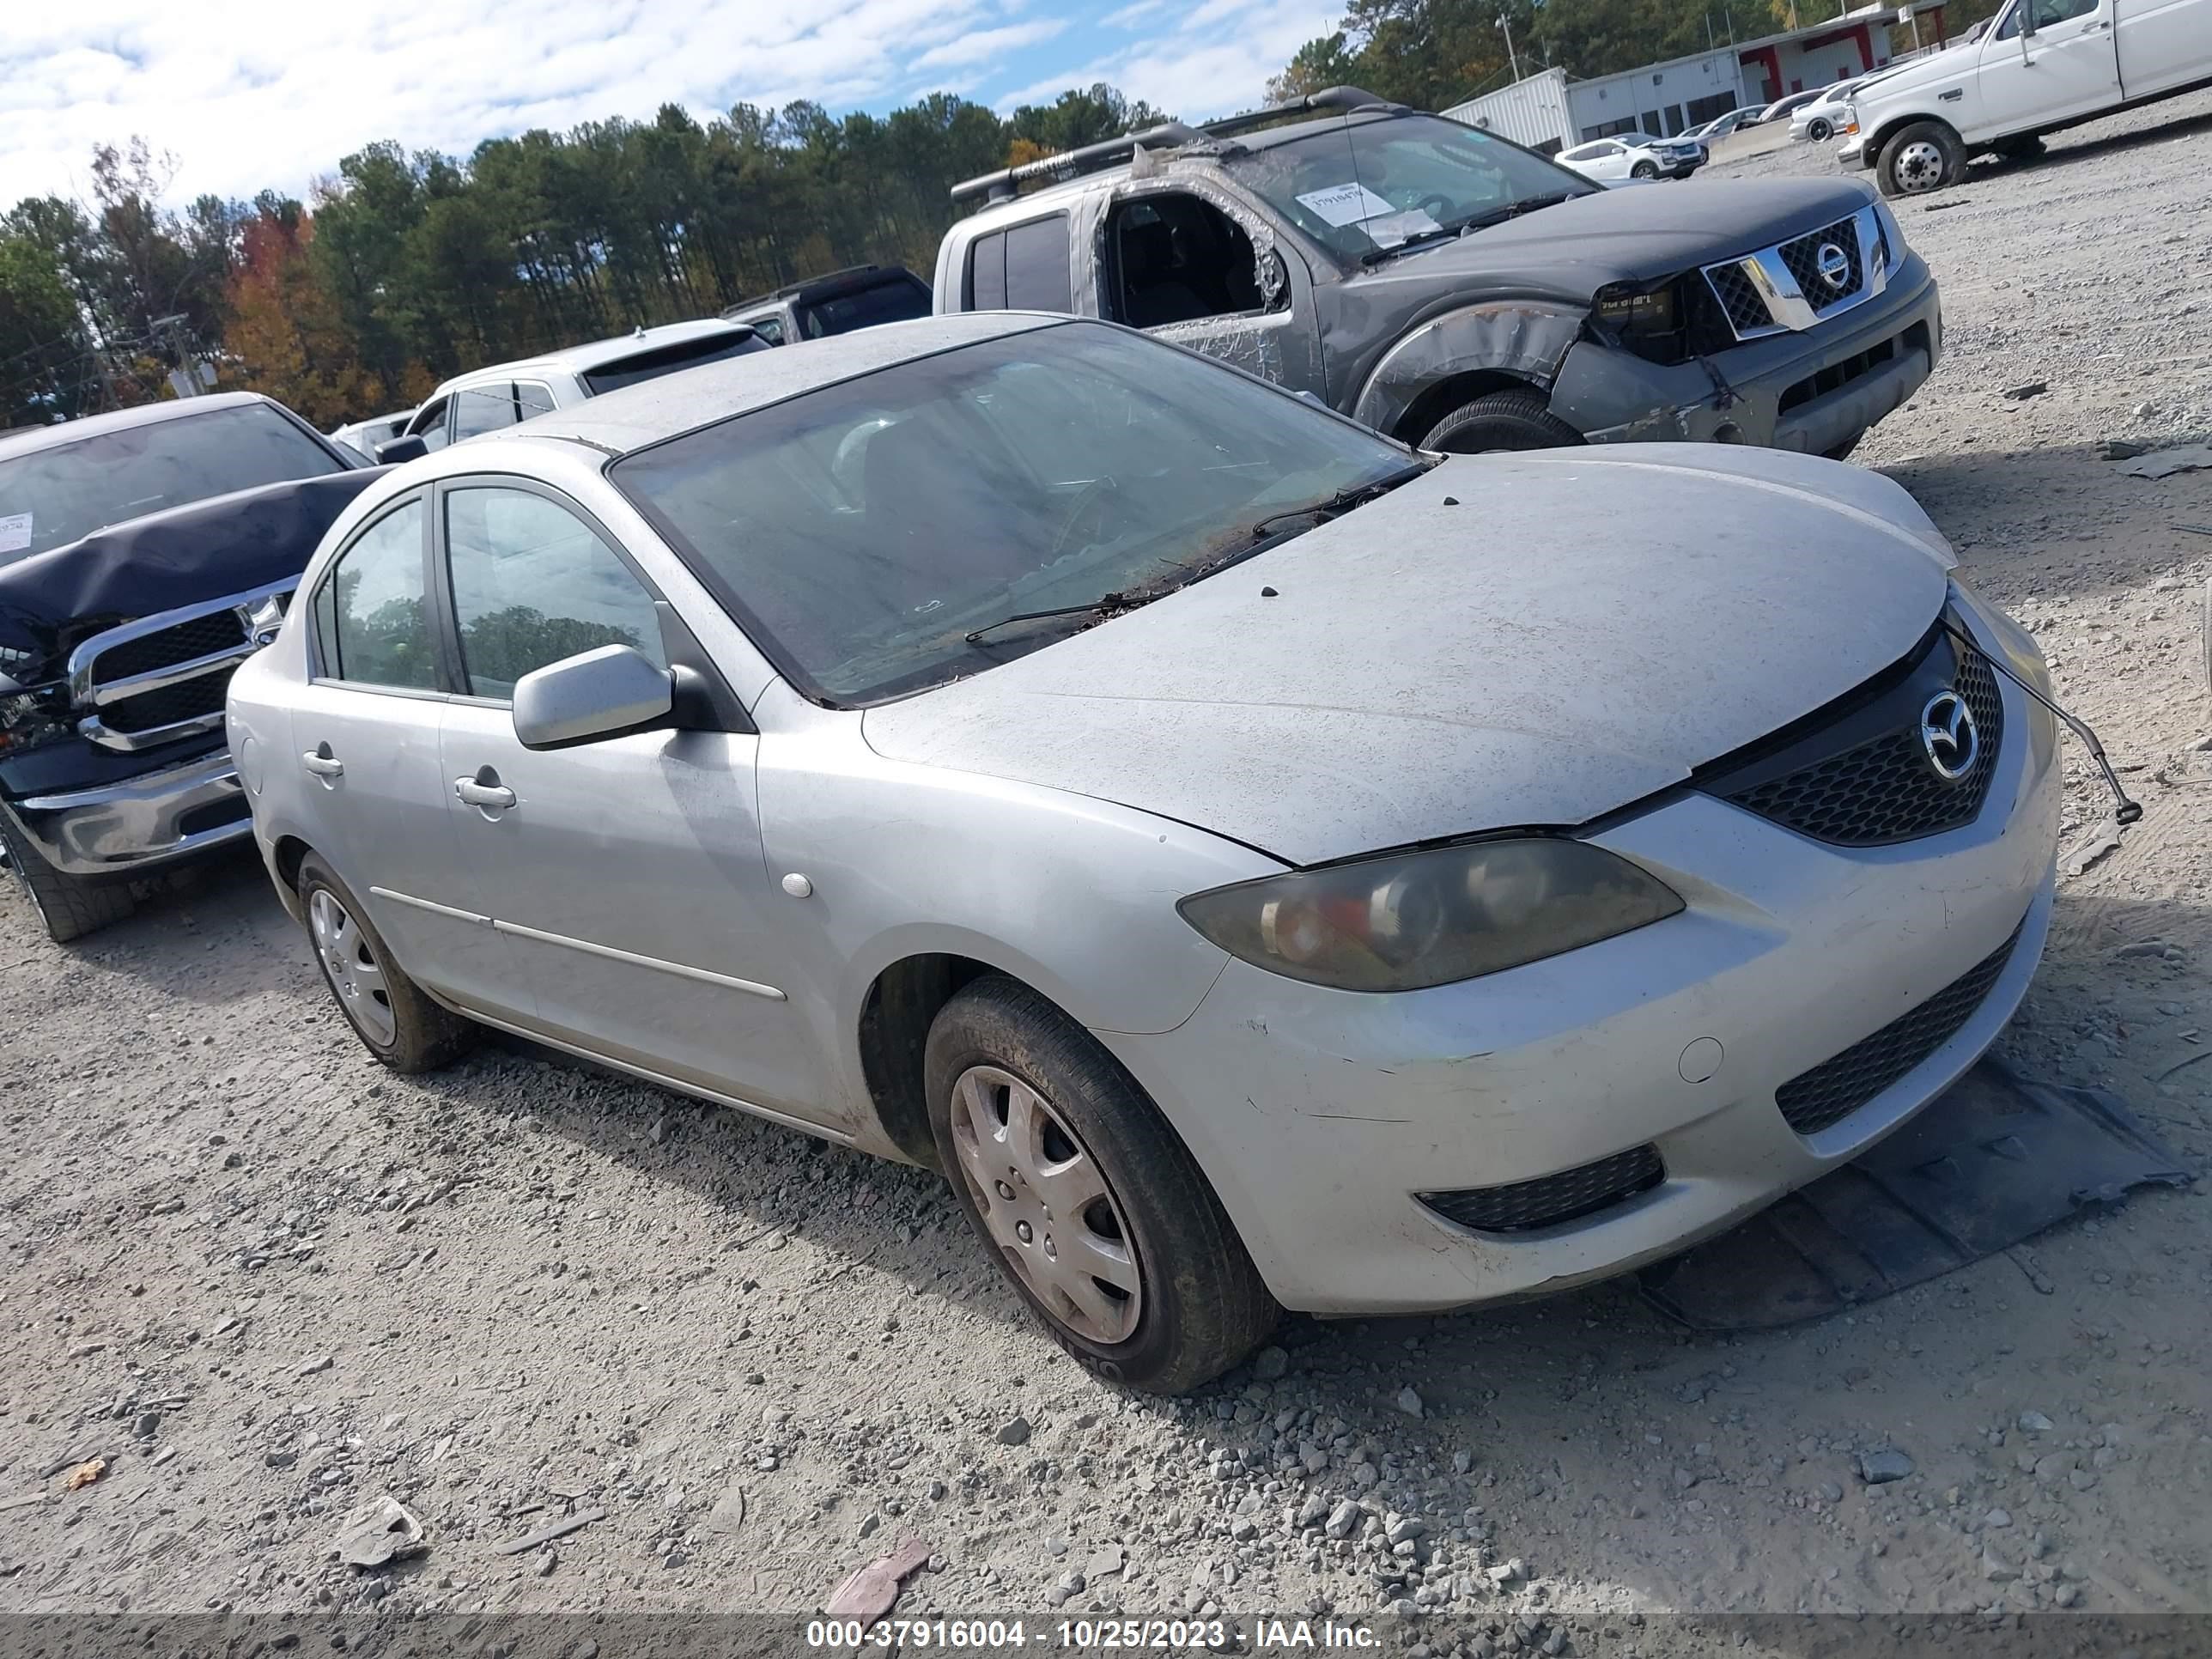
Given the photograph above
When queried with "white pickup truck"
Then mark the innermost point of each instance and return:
(2041, 66)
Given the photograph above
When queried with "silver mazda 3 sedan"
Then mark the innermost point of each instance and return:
(1262, 866)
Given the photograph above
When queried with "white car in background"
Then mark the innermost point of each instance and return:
(363, 436)
(1791, 104)
(1609, 162)
(1819, 120)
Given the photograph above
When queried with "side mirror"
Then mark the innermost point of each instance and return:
(601, 694)
(392, 450)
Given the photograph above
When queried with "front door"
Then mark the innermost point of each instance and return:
(625, 879)
(2068, 66)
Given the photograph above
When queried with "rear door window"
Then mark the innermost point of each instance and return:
(651, 365)
(371, 623)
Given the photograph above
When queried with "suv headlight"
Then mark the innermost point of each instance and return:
(1893, 233)
(1408, 920)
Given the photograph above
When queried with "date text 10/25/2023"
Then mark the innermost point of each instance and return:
(1102, 1635)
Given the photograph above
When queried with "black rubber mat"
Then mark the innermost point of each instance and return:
(1996, 1160)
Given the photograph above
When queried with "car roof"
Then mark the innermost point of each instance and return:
(29, 439)
(621, 420)
(593, 354)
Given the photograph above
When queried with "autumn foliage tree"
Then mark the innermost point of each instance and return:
(284, 336)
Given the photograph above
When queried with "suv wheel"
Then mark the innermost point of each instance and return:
(1643, 170)
(388, 1012)
(1924, 157)
(68, 907)
(1090, 1203)
(1500, 420)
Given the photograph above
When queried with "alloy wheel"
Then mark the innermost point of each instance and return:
(351, 967)
(1048, 1205)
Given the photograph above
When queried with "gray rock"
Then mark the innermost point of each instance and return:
(1269, 1364)
(1998, 1518)
(309, 1367)
(547, 1560)
(1405, 1529)
(2027, 389)
(1314, 1510)
(1833, 1493)
(1506, 1572)
(2121, 449)
(1884, 1464)
(1343, 1520)
(1462, 1462)
(1409, 1402)
(2034, 1423)
(1016, 1433)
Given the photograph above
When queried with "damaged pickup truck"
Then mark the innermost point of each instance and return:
(143, 556)
(1454, 290)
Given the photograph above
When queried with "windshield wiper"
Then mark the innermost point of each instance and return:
(1109, 604)
(1344, 500)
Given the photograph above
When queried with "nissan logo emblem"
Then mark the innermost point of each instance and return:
(1834, 264)
(1949, 736)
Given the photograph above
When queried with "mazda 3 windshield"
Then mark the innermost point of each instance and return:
(940, 516)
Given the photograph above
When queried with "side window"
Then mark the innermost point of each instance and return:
(2009, 29)
(429, 424)
(1036, 266)
(531, 585)
(987, 272)
(1176, 259)
(481, 409)
(370, 620)
(2048, 12)
(769, 328)
(531, 398)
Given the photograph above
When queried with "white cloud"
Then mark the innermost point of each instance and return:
(983, 45)
(262, 93)
(1130, 17)
(1217, 61)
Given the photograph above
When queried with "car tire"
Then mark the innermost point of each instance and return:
(1025, 1105)
(1818, 131)
(68, 906)
(1643, 170)
(388, 1012)
(1500, 420)
(1924, 157)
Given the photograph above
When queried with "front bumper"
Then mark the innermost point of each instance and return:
(1318, 1116)
(128, 828)
(1778, 393)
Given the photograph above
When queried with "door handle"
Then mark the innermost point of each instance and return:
(323, 763)
(484, 794)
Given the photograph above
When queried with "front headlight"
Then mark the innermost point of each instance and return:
(1893, 233)
(1408, 920)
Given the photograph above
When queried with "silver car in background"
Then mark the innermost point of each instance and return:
(1260, 865)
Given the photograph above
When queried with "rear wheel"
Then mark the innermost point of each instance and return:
(68, 906)
(1500, 420)
(1818, 131)
(1924, 157)
(1086, 1197)
(388, 1012)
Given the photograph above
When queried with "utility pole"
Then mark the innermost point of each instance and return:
(1507, 29)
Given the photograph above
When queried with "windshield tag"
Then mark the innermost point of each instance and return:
(14, 532)
(1346, 204)
(1400, 227)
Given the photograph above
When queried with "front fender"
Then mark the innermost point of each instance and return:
(1525, 338)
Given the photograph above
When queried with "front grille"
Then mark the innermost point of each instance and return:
(1801, 257)
(186, 700)
(1745, 309)
(1522, 1206)
(1885, 789)
(200, 636)
(1834, 1089)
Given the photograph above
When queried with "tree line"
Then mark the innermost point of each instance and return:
(407, 266)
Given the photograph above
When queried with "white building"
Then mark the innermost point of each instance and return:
(1547, 112)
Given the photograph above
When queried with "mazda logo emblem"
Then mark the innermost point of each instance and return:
(1834, 264)
(1949, 736)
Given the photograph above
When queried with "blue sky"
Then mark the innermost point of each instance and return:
(255, 93)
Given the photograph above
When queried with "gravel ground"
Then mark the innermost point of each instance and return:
(265, 1281)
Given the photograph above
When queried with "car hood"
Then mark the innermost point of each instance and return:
(1572, 250)
(1581, 630)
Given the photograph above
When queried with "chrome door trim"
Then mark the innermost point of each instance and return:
(412, 902)
(658, 1079)
(681, 971)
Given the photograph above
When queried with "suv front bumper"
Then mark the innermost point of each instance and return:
(1810, 392)
(128, 828)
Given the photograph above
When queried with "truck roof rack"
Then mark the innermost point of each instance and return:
(792, 290)
(1005, 183)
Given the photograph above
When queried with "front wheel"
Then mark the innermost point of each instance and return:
(1500, 420)
(1923, 157)
(388, 1012)
(68, 906)
(1643, 170)
(1075, 1183)
(1818, 131)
